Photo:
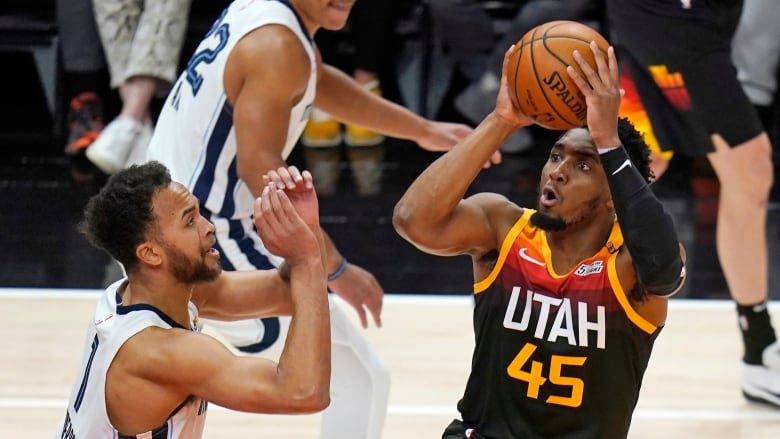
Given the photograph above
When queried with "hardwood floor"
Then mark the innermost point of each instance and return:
(691, 388)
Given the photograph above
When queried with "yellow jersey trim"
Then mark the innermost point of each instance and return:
(622, 298)
(505, 246)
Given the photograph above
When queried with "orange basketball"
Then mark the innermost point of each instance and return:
(537, 73)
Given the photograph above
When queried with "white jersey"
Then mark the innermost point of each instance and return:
(195, 137)
(112, 326)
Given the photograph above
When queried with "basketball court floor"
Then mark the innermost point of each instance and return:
(691, 388)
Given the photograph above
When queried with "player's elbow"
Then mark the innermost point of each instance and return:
(665, 279)
(404, 220)
(312, 400)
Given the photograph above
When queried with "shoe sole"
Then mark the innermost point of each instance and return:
(761, 400)
(101, 161)
(354, 141)
(321, 143)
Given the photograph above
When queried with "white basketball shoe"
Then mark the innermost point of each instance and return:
(761, 383)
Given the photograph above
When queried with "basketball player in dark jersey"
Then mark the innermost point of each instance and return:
(569, 297)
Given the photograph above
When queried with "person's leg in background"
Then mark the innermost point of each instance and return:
(692, 68)
(142, 40)
(84, 70)
(756, 54)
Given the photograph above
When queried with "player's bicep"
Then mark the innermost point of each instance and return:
(469, 229)
(206, 368)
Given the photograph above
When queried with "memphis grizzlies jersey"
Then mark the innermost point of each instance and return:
(194, 136)
(557, 355)
(112, 326)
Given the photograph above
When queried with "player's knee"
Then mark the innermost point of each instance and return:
(758, 181)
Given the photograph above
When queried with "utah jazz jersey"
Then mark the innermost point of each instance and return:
(195, 137)
(558, 355)
(113, 324)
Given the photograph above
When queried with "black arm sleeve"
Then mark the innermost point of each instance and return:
(647, 228)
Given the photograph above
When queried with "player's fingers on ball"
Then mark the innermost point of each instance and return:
(585, 66)
(614, 67)
(581, 83)
(601, 60)
(507, 56)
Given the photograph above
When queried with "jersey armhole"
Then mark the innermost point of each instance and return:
(622, 298)
(505, 246)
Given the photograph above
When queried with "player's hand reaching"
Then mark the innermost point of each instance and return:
(442, 136)
(360, 289)
(602, 94)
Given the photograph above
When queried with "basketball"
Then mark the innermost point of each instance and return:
(537, 76)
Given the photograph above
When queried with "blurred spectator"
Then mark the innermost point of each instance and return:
(84, 68)
(142, 41)
(476, 46)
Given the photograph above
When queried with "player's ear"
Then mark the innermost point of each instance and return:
(148, 253)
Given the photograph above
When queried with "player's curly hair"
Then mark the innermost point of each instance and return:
(119, 216)
(636, 147)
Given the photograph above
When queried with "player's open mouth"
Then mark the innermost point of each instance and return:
(548, 197)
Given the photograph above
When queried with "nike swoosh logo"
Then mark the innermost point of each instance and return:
(523, 255)
(626, 164)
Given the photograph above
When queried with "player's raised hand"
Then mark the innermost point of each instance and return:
(300, 190)
(282, 229)
(443, 136)
(601, 90)
(358, 287)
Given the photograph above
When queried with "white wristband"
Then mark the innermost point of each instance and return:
(607, 149)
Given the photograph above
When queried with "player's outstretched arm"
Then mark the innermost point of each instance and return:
(342, 97)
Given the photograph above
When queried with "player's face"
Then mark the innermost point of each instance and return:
(186, 237)
(573, 185)
(328, 14)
